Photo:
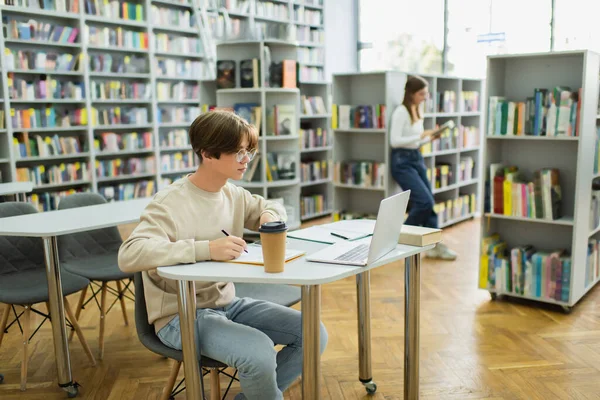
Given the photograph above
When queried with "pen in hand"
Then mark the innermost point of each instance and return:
(338, 235)
(227, 234)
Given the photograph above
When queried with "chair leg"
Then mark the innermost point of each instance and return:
(26, 327)
(122, 300)
(215, 384)
(78, 309)
(102, 318)
(172, 379)
(4, 321)
(77, 329)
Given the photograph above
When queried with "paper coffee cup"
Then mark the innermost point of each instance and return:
(273, 237)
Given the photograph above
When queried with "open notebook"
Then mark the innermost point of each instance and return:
(255, 257)
(331, 233)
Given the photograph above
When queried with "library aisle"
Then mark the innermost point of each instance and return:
(471, 347)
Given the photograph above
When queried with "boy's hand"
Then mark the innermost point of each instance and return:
(226, 248)
(267, 217)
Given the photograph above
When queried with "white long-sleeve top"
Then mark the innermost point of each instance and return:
(403, 133)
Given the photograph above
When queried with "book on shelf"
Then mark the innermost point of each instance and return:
(312, 105)
(549, 112)
(280, 166)
(251, 112)
(419, 235)
(119, 115)
(446, 101)
(174, 138)
(59, 5)
(452, 209)
(44, 88)
(55, 173)
(41, 60)
(47, 117)
(121, 90)
(252, 174)
(314, 170)
(169, 43)
(469, 101)
(117, 63)
(125, 166)
(359, 116)
(282, 74)
(312, 138)
(116, 37)
(177, 91)
(250, 73)
(115, 142)
(48, 201)
(524, 270)
(513, 195)
(164, 16)
(128, 191)
(312, 205)
(179, 68)
(184, 115)
(282, 120)
(177, 161)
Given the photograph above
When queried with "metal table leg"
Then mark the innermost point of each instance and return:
(363, 297)
(57, 317)
(186, 301)
(311, 338)
(412, 288)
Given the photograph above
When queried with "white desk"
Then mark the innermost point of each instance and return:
(310, 275)
(48, 225)
(16, 189)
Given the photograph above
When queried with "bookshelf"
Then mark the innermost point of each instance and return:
(451, 98)
(121, 87)
(543, 273)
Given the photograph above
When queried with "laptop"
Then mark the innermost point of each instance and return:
(385, 237)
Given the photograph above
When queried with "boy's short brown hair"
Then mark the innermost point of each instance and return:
(220, 132)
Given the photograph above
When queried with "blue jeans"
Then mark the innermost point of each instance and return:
(242, 335)
(408, 170)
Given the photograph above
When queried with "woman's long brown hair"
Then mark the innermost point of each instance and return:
(414, 83)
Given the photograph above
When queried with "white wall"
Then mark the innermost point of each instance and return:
(341, 36)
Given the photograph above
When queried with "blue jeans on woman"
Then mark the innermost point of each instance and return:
(408, 170)
(242, 335)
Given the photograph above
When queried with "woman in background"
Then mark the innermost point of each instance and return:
(408, 169)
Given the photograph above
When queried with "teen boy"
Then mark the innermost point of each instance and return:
(183, 224)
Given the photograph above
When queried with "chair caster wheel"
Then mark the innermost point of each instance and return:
(72, 390)
(567, 309)
(371, 387)
(494, 296)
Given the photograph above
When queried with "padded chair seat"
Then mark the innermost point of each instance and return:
(31, 286)
(284, 295)
(98, 267)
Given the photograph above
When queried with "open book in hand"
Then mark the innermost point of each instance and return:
(255, 257)
(446, 125)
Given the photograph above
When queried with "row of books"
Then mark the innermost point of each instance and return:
(177, 91)
(360, 173)
(115, 9)
(461, 137)
(446, 101)
(345, 116)
(40, 60)
(128, 191)
(183, 115)
(48, 201)
(549, 112)
(163, 16)
(44, 89)
(118, 63)
(597, 152)
(452, 209)
(121, 90)
(282, 120)
(312, 138)
(311, 74)
(512, 193)
(39, 31)
(177, 161)
(441, 175)
(312, 105)
(280, 166)
(112, 142)
(182, 68)
(46, 117)
(116, 37)
(311, 171)
(51, 174)
(280, 74)
(524, 270)
(27, 145)
(592, 268)
(125, 166)
(119, 115)
(174, 138)
(179, 44)
(306, 34)
(311, 205)
(56, 5)
(272, 10)
(595, 205)
(312, 55)
(469, 101)
(307, 16)
(466, 169)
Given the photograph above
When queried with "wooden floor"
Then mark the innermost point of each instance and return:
(471, 347)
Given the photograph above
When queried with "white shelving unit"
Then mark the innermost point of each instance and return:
(147, 73)
(515, 77)
(387, 88)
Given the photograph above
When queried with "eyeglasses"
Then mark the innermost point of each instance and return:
(243, 153)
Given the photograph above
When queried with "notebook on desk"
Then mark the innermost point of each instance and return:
(326, 234)
(255, 257)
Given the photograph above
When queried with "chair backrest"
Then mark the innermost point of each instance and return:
(94, 242)
(141, 313)
(19, 253)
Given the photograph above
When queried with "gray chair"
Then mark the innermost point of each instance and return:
(281, 294)
(93, 255)
(23, 283)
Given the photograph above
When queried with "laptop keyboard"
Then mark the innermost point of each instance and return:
(358, 253)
